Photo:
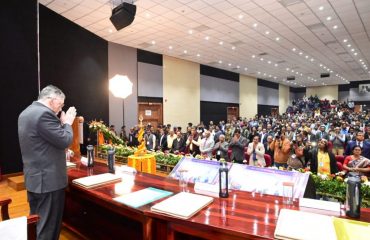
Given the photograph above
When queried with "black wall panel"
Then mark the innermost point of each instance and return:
(18, 75)
(213, 111)
(265, 109)
(76, 61)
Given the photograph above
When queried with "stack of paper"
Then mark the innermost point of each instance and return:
(304, 225)
(142, 197)
(70, 164)
(183, 205)
(96, 180)
(319, 204)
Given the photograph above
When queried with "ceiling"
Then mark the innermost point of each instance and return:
(268, 39)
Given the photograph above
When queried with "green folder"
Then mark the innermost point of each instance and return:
(142, 197)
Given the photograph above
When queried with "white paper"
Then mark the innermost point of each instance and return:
(319, 204)
(304, 225)
(183, 205)
(14, 229)
(70, 164)
(96, 180)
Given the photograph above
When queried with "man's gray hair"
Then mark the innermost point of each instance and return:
(51, 91)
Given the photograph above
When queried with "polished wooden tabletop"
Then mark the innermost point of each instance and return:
(242, 214)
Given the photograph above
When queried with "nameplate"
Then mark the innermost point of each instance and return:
(319, 204)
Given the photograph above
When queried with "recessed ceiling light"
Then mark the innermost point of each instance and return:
(267, 32)
(296, 72)
(233, 47)
(269, 62)
(355, 53)
(320, 65)
(237, 67)
(240, 16)
(245, 69)
(270, 76)
(292, 70)
(300, 53)
(294, 49)
(221, 42)
(275, 77)
(277, 39)
(328, 18)
(253, 56)
(153, 42)
(170, 47)
(306, 56)
(206, 38)
(110, 30)
(345, 40)
(311, 59)
(259, 73)
(360, 60)
(321, 8)
(185, 51)
(349, 45)
(229, 64)
(264, 74)
(190, 31)
(255, 25)
(352, 50)
(198, 55)
(276, 65)
(261, 59)
(287, 69)
(147, 15)
(219, 61)
(335, 27)
(331, 71)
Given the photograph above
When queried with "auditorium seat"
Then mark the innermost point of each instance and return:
(31, 220)
(339, 166)
(268, 160)
(339, 158)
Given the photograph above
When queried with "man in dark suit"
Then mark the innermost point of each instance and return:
(365, 145)
(237, 145)
(43, 139)
(162, 140)
(322, 134)
(179, 143)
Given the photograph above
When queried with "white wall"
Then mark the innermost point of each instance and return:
(325, 92)
(283, 98)
(247, 96)
(213, 89)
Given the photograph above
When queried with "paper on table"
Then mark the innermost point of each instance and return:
(183, 205)
(142, 197)
(96, 180)
(319, 204)
(70, 164)
(304, 225)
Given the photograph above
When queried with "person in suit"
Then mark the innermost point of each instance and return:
(178, 145)
(365, 145)
(321, 134)
(256, 152)
(43, 139)
(206, 145)
(237, 145)
(162, 140)
(193, 142)
(263, 136)
(222, 146)
(150, 140)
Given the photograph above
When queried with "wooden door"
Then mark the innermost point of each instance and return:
(358, 108)
(152, 113)
(232, 113)
(274, 111)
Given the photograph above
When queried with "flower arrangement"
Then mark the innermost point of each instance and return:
(335, 186)
(120, 150)
(167, 158)
(95, 126)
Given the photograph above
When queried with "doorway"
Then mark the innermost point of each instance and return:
(152, 113)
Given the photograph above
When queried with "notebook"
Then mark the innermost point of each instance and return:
(293, 224)
(351, 229)
(183, 205)
(142, 197)
(96, 180)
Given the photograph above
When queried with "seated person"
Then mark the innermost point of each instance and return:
(357, 163)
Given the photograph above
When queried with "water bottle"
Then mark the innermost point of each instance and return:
(111, 160)
(353, 195)
(218, 155)
(223, 181)
(90, 156)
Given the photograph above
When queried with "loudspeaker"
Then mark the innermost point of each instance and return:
(123, 15)
(324, 75)
(290, 78)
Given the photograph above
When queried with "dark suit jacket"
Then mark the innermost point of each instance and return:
(237, 149)
(365, 148)
(43, 141)
(162, 145)
(325, 135)
(314, 163)
(179, 145)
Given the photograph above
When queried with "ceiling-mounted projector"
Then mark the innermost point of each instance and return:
(290, 78)
(324, 75)
(123, 15)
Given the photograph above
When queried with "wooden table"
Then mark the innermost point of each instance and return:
(243, 215)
